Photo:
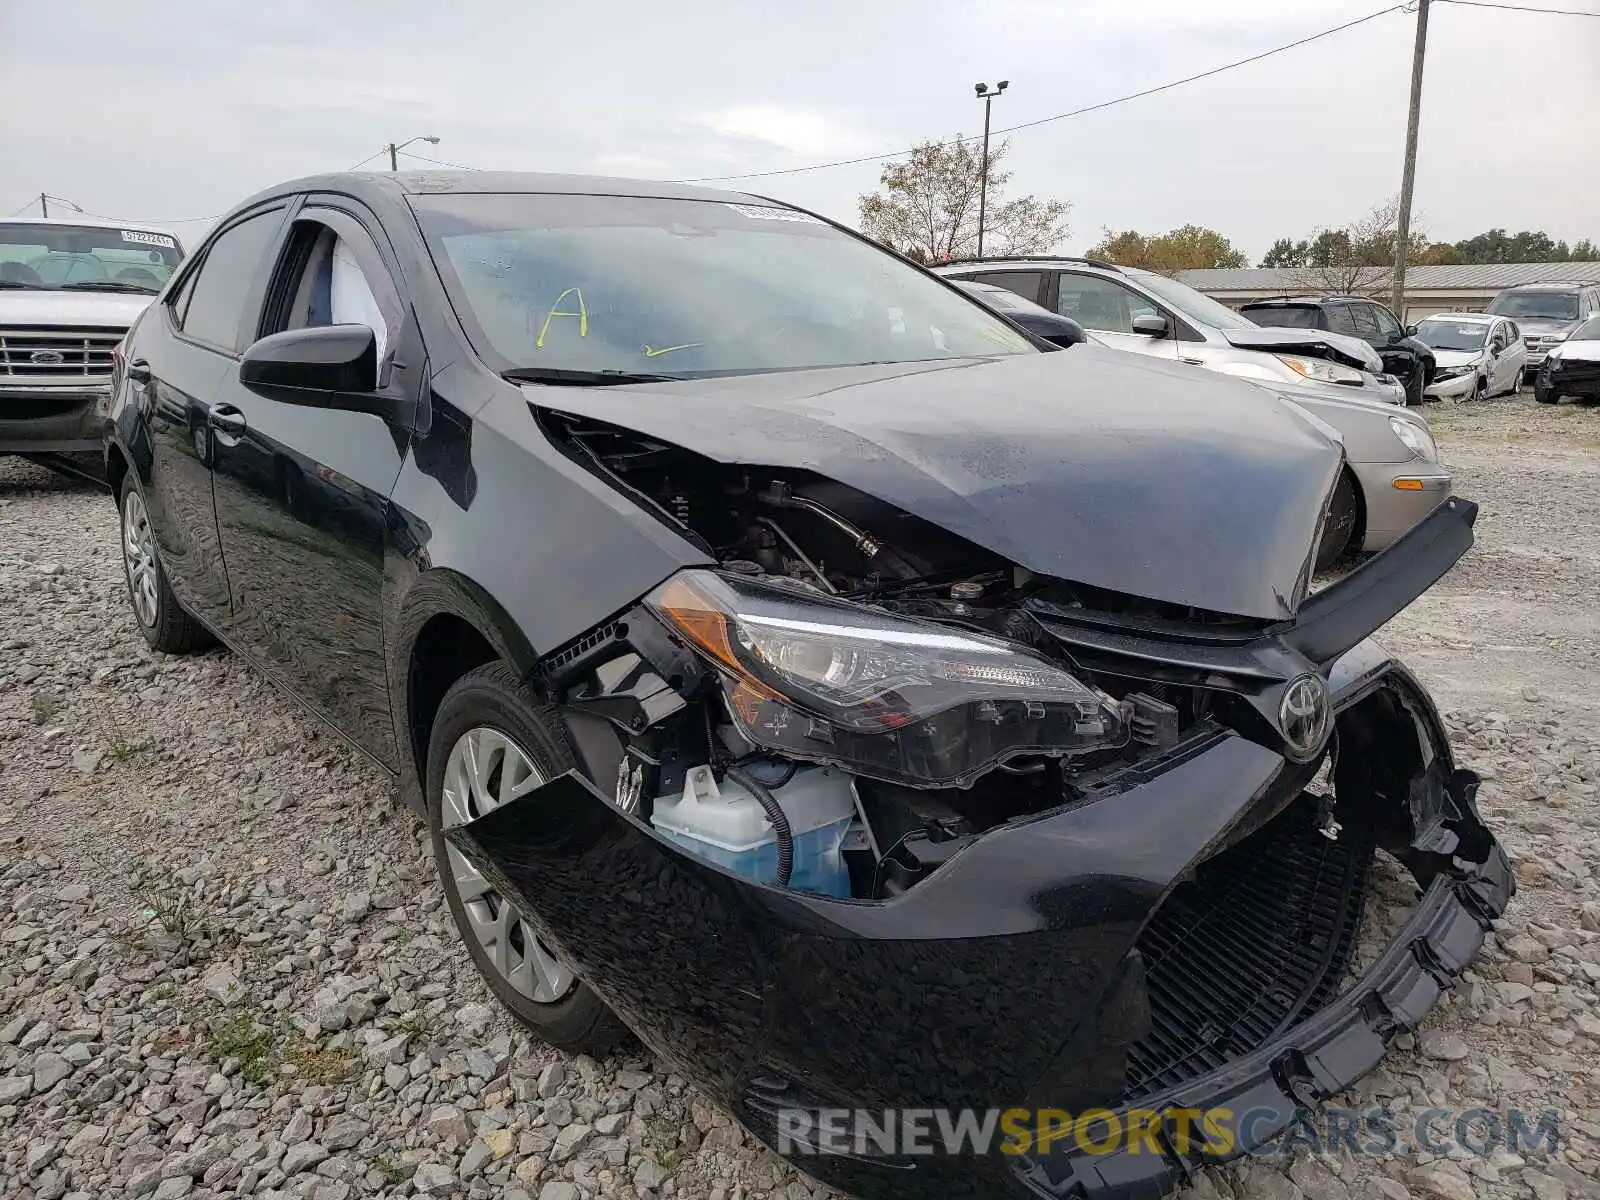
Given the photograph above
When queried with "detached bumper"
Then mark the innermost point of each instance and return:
(1253, 1099)
(1064, 962)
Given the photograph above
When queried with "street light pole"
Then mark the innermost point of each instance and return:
(395, 149)
(987, 95)
(1408, 176)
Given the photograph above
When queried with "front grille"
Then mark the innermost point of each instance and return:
(45, 355)
(1258, 940)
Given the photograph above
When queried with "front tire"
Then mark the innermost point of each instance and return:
(1414, 389)
(493, 741)
(1543, 394)
(162, 620)
(1338, 532)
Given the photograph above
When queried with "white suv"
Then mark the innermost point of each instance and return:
(69, 290)
(1130, 309)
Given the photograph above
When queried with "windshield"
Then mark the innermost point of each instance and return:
(1589, 331)
(636, 285)
(1200, 309)
(1552, 306)
(1452, 335)
(61, 257)
(1281, 316)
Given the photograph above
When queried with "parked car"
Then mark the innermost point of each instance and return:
(1546, 314)
(1147, 313)
(69, 290)
(1404, 356)
(1039, 321)
(1479, 355)
(796, 665)
(1393, 477)
(1572, 368)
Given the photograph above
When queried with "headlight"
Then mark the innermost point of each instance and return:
(1551, 339)
(1319, 369)
(1417, 439)
(1444, 373)
(814, 678)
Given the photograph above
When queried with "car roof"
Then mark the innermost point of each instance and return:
(1022, 262)
(433, 183)
(96, 222)
(1470, 317)
(1550, 285)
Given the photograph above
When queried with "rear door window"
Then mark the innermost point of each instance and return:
(1366, 323)
(1340, 320)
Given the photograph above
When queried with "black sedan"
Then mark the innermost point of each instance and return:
(1036, 319)
(798, 667)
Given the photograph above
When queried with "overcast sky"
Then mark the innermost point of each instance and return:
(176, 110)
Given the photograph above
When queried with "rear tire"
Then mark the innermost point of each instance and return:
(492, 697)
(161, 619)
(1344, 514)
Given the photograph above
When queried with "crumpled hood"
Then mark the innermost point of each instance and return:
(47, 309)
(1112, 470)
(1318, 343)
(1456, 358)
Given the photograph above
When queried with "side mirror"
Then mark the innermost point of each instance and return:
(328, 366)
(1411, 331)
(1151, 325)
(1064, 331)
(327, 358)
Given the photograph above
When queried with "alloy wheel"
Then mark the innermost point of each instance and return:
(139, 555)
(485, 770)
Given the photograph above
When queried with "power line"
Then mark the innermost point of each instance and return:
(438, 162)
(1549, 12)
(1077, 112)
(380, 150)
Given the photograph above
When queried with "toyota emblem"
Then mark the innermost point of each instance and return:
(1304, 717)
(47, 358)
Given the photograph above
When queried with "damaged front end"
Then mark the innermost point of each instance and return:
(871, 819)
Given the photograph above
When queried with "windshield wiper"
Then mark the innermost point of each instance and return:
(570, 377)
(18, 283)
(108, 285)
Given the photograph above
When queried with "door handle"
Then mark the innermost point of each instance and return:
(225, 418)
(139, 371)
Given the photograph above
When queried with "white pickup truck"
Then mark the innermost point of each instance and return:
(69, 290)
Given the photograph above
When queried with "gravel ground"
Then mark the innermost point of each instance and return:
(227, 969)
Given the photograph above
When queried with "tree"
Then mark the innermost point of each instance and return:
(1355, 260)
(1183, 249)
(1286, 252)
(1528, 245)
(928, 206)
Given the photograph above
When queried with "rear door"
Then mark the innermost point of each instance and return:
(302, 492)
(179, 358)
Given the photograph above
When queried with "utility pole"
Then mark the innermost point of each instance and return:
(394, 149)
(44, 205)
(987, 95)
(1408, 178)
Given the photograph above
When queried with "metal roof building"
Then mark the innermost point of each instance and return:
(1428, 289)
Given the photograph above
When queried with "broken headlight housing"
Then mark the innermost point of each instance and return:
(818, 679)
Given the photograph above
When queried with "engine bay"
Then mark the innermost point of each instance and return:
(684, 764)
